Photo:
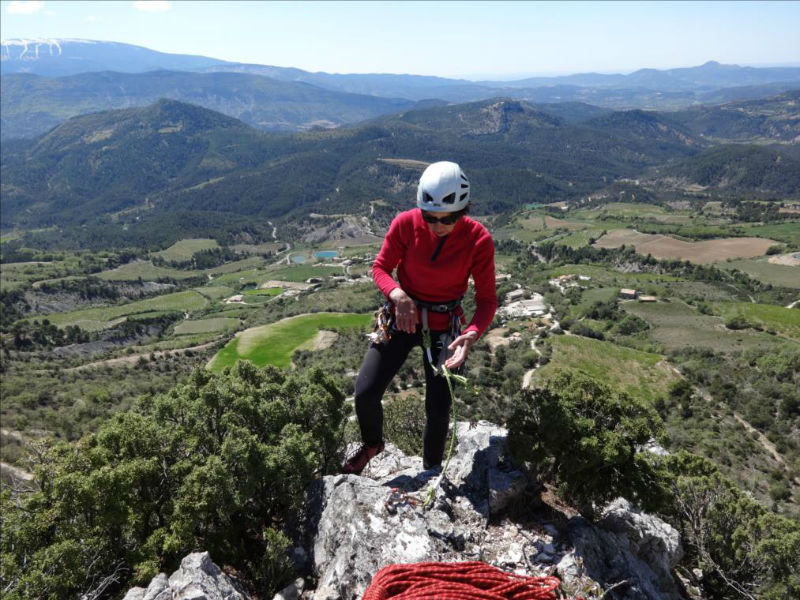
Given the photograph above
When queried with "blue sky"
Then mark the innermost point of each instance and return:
(450, 39)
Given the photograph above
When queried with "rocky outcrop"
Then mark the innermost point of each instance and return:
(629, 550)
(357, 524)
(198, 578)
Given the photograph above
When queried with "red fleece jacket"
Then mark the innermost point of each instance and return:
(411, 247)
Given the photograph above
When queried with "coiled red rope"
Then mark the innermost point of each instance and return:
(457, 581)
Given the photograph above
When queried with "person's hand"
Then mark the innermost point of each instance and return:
(460, 349)
(405, 311)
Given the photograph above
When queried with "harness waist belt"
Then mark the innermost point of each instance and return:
(438, 307)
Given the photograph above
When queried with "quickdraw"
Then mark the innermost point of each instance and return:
(398, 499)
(384, 325)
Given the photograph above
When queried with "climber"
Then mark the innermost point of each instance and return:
(435, 248)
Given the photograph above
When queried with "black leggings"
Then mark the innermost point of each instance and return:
(380, 365)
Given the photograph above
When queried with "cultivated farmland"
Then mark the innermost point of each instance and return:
(95, 319)
(703, 252)
(767, 271)
(676, 325)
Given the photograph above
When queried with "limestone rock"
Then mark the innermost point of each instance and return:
(198, 578)
(365, 523)
(629, 546)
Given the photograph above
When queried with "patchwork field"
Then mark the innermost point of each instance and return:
(146, 271)
(581, 238)
(213, 325)
(785, 321)
(183, 250)
(95, 319)
(703, 252)
(274, 344)
(676, 325)
(18, 275)
(641, 374)
(765, 270)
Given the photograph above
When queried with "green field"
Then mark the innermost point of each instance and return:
(270, 292)
(676, 325)
(212, 325)
(183, 250)
(641, 374)
(214, 292)
(95, 319)
(300, 273)
(783, 232)
(146, 271)
(274, 344)
(580, 238)
(785, 321)
(239, 265)
(17, 275)
(761, 269)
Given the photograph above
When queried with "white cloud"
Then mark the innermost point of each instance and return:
(94, 19)
(18, 7)
(152, 5)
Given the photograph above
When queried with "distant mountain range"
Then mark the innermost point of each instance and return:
(32, 104)
(60, 57)
(158, 169)
(81, 76)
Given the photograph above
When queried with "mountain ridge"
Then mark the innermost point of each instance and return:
(32, 104)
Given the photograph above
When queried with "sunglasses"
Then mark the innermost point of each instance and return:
(446, 220)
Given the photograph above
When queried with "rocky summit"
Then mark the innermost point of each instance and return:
(397, 512)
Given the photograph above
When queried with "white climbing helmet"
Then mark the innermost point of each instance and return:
(443, 187)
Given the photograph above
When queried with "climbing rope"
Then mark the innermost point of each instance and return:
(457, 581)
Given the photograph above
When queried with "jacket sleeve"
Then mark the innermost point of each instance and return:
(485, 286)
(392, 251)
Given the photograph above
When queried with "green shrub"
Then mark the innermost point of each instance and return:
(404, 422)
(583, 436)
(744, 550)
(219, 463)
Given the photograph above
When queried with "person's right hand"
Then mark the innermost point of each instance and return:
(405, 311)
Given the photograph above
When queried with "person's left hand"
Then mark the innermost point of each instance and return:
(460, 349)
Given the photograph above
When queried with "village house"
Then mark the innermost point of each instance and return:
(515, 295)
(628, 294)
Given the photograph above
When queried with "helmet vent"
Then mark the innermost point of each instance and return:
(464, 178)
(449, 199)
(428, 198)
(464, 195)
(464, 185)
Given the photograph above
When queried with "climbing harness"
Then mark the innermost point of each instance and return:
(446, 338)
(457, 581)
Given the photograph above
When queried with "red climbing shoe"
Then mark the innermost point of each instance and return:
(356, 463)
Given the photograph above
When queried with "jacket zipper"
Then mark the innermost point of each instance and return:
(438, 248)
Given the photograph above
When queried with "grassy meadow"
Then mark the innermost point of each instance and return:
(274, 344)
(641, 374)
(183, 250)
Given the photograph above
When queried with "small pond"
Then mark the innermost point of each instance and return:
(327, 254)
(298, 258)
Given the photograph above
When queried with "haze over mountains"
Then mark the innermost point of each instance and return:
(81, 76)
